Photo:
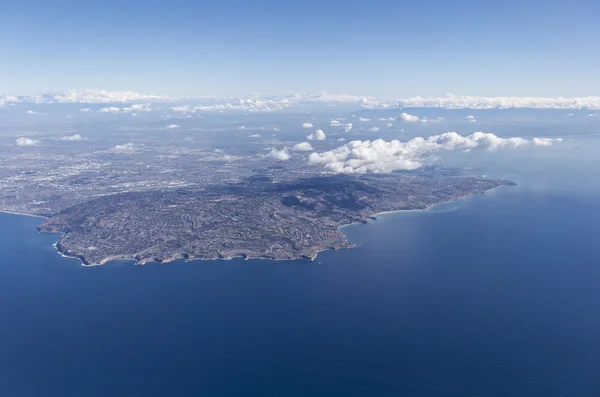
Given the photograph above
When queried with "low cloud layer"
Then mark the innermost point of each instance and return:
(473, 102)
(307, 125)
(270, 103)
(380, 156)
(103, 96)
(240, 105)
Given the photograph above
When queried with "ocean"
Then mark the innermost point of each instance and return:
(493, 295)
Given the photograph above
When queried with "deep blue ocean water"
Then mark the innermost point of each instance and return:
(495, 295)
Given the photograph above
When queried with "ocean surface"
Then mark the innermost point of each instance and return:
(494, 295)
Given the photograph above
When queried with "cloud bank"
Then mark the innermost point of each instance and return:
(380, 156)
(103, 96)
(239, 105)
(473, 102)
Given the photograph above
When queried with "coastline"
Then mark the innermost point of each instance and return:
(429, 207)
(23, 214)
(368, 219)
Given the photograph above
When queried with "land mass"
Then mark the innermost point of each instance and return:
(257, 218)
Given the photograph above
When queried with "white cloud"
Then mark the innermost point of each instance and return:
(335, 123)
(472, 102)
(103, 96)
(111, 109)
(85, 110)
(75, 137)
(387, 119)
(9, 99)
(282, 154)
(318, 135)
(140, 107)
(242, 127)
(545, 141)
(303, 147)
(326, 97)
(409, 118)
(257, 135)
(374, 129)
(257, 103)
(592, 115)
(364, 119)
(86, 96)
(183, 109)
(126, 147)
(471, 117)
(426, 120)
(380, 156)
(23, 141)
(307, 125)
(31, 112)
(348, 127)
(245, 105)
(172, 127)
(389, 125)
(341, 139)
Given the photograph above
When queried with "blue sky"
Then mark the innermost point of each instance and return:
(381, 48)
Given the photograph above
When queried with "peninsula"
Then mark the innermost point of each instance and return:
(256, 218)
